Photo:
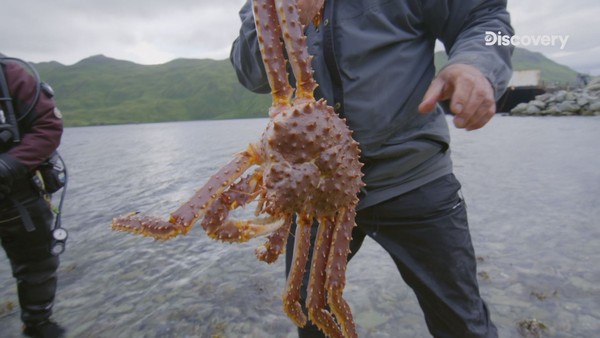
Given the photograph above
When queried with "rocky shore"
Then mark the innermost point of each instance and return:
(583, 102)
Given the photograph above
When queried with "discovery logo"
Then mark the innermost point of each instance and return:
(493, 38)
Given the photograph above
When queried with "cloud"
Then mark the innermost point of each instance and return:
(572, 19)
(156, 31)
(148, 32)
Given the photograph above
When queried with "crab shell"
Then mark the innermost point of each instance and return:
(311, 162)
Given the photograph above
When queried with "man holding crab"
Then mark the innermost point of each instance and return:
(373, 61)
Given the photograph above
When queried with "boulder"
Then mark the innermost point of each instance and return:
(594, 106)
(584, 102)
(568, 107)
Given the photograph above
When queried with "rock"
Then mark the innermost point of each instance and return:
(519, 109)
(593, 88)
(544, 97)
(568, 107)
(594, 106)
(582, 101)
(560, 95)
(370, 319)
(594, 85)
(532, 110)
(570, 96)
(531, 328)
(538, 103)
(551, 110)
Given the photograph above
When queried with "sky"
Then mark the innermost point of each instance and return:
(158, 31)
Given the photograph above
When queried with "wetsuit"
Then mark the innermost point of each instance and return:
(26, 219)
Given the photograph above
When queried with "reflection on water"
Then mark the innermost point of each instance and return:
(531, 184)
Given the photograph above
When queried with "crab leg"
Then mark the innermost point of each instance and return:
(295, 44)
(150, 226)
(291, 295)
(336, 268)
(181, 221)
(275, 244)
(317, 301)
(269, 35)
(219, 226)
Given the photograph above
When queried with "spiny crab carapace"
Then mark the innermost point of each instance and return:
(306, 165)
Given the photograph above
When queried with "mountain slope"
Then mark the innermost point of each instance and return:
(100, 90)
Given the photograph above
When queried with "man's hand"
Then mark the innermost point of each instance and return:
(470, 93)
(308, 9)
(10, 170)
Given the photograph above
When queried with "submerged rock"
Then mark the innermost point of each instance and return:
(531, 328)
(371, 319)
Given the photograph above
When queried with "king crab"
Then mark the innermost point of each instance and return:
(307, 165)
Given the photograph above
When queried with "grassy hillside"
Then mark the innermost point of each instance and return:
(101, 90)
(551, 72)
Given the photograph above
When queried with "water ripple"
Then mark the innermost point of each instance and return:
(531, 186)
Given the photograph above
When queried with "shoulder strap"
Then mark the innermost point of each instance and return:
(7, 117)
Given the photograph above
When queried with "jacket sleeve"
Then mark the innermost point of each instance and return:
(462, 25)
(42, 128)
(245, 54)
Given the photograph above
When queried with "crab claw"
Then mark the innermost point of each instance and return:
(275, 244)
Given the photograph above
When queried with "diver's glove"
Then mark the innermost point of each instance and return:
(11, 169)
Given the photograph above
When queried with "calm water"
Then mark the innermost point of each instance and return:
(532, 185)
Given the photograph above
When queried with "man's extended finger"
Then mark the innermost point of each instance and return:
(433, 94)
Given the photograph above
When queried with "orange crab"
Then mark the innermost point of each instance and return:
(306, 165)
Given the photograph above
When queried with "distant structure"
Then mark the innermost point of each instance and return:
(583, 80)
(523, 86)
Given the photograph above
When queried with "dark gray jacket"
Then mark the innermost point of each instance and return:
(373, 60)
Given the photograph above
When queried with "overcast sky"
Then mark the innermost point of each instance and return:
(157, 31)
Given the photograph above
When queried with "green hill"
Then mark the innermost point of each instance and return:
(551, 72)
(100, 90)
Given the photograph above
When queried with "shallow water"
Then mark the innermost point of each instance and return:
(532, 187)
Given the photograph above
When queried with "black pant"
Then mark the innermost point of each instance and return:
(426, 233)
(33, 266)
